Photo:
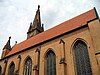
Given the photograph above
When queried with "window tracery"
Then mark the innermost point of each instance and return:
(50, 63)
(28, 67)
(82, 61)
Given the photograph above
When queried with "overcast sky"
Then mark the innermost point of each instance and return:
(16, 15)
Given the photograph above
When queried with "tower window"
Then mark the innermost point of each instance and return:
(82, 61)
(50, 63)
(28, 67)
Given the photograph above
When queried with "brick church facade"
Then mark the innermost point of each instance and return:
(70, 48)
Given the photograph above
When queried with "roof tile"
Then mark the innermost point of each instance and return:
(55, 31)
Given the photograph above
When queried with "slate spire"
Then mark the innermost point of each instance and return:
(35, 27)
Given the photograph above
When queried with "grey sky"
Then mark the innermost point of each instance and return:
(16, 15)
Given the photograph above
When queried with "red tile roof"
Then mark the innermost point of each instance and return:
(55, 31)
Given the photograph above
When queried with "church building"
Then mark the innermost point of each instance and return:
(70, 48)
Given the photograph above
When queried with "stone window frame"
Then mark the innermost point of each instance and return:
(73, 47)
(50, 50)
(26, 61)
(11, 69)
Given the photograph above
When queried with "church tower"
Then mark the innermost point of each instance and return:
(35, 27)
(6, 48)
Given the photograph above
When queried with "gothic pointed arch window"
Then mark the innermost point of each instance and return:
(0, 70)
(28, 67)
(81, 57)
(11, 69)
(50, 61)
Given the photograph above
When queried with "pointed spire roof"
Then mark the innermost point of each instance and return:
(35, 27)
(37, 19)
(37, 16)
(7, 46)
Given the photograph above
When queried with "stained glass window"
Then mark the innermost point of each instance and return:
(28, 67)
(50, 63)
(11, 69)
(82, 60)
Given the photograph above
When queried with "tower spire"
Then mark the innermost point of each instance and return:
(35, 27)
(6, 48)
